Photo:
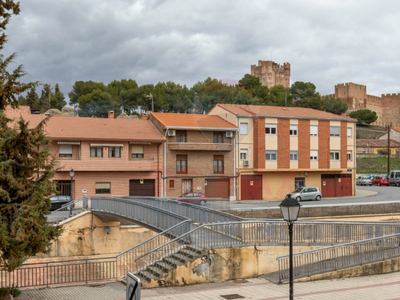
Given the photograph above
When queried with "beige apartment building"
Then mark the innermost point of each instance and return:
(281, 148)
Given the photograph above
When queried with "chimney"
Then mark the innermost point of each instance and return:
(111, 114)
(143, 117)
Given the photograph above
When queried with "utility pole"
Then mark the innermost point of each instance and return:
(389, 127)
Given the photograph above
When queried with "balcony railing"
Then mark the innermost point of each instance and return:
(200, 146)
(73, 157)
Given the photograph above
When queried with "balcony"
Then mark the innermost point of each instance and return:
(200, 147)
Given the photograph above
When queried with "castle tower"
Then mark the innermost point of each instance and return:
(271, 73)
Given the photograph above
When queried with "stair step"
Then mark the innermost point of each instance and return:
(143, 278)
(182, 258)
(149, 275)
(189, 253)
(164, 265)
(156, 270)
(190, 248)
(172, 261)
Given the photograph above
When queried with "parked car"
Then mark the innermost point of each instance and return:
(394, 177)
(305, 193)
(363, 180)
(58, 201)
(193, 198)
(380, 180)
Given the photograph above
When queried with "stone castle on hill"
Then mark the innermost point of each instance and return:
(387, 106)
(271, 73)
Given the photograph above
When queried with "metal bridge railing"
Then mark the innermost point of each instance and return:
(341, 256)
(126, 260)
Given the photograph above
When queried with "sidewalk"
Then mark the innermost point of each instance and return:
(382, 287)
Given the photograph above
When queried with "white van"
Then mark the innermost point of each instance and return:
(394, 177)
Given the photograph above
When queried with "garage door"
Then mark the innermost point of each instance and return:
(144, 187)
(336, 185)
(251, 187)
(217, 188)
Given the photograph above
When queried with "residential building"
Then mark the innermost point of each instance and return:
(109, 156)
(282, 148)
(199, 154)
(394, 134)
(377, 146)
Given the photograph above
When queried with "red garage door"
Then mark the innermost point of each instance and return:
(217, 188)
(251, 187)
(336, 185)
(144, 187)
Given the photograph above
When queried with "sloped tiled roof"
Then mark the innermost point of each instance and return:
(396, 129)
(372, 143)
(280, 111)
(192, 121)
(101, 129)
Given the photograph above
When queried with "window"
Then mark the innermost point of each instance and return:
(349, 156)
(271, 155)
(103, 187)
(335, 155)
(243, 154)
(314, 130)
(335, 131)
(171, 183)
(349, 132)
(137, 152)
(243, 128)
(314, 155)
(181, 136)
(96, 151)
(299, 182)
(293, 155)
(218, 166)
(270, 128)
(293, 129)
(114, 151)
(363, 150)
(181, 164)
(218, 137)
(65, 151)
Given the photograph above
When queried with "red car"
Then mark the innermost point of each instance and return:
(193, 198)
(381, 180)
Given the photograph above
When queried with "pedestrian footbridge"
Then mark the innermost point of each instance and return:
(187, 232)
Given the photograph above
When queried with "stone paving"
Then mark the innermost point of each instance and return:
(382, 287)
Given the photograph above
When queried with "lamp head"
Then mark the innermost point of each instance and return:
(290, 209)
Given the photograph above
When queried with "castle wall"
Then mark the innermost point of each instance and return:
(271, 73)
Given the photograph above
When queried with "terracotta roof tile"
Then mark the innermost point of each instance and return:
(192, 120)
(280, 111)
(376, 143)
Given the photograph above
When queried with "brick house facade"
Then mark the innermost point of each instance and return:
(282, 148)
(199, 154)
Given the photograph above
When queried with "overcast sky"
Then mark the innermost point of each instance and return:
(326, 41)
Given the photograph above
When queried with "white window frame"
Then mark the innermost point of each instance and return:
(333, 129)
(349, 132)
(243, 128)
(271, 128)
(313, 155)
(314, 130)
(294, 130)
(65, 150)
(349, 156)
(243, 154)
(272, 155)
(294, 155)
(335, 155)
(117, 152)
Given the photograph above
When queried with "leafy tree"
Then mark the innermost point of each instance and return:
(24, 230)
(10, 86)
(249, 82)
(334, 105)
(57, 100)
(305, 95)
(32, 99)
(97, 104)
(364, 116)
(81, 88)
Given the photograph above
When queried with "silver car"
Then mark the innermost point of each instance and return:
(305, 193)
(363, 180)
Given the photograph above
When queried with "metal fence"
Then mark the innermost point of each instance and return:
(341, 256)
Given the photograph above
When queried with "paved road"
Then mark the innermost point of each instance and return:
(382, 287)
(380, 194)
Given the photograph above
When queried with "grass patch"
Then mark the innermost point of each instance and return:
(376, 164)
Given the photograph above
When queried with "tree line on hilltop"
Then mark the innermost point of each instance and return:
(95, 99)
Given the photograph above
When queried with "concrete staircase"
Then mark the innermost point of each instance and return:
(157, 269)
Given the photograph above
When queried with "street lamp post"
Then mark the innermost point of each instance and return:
(290, 209)
(71, 174)
(152, 103)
